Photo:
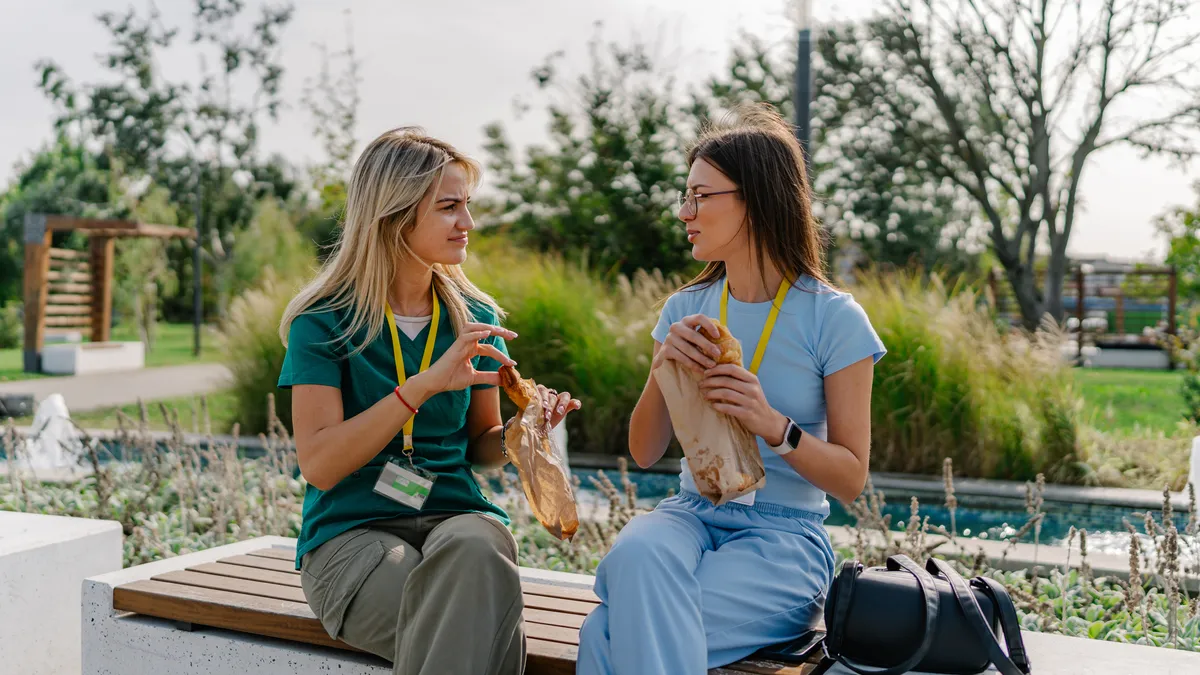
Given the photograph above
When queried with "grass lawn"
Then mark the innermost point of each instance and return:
(1119, 400)
(222, 410)
(172, 347)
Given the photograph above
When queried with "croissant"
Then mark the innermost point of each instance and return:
(731, 349)
(519, 391)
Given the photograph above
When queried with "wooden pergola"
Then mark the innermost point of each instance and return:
(68, 290)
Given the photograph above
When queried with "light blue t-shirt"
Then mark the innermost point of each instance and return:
(819, 331)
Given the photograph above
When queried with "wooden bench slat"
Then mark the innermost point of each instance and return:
(221, 609)
(548, 618)
(288, 567)
(581, 594)
(259, 593)
(549, 658)
(242, 586)
(559, 605)
(248, 573)
(541, 631)
(288, 554)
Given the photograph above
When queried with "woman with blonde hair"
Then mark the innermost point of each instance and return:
(392, 358)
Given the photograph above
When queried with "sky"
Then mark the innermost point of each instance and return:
(455, 66)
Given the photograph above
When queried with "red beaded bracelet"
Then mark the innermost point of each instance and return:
(406, 405)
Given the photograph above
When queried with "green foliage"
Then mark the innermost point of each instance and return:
(604, 189)
(198, 141)
(254, 353)
(579, 334)
(12, 326)
(60, 178)
(981, 104)
(268, 242)
(141, 274)
(1000, 405)
(1181, 228)
(186, 498)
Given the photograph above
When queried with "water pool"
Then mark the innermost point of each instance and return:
(987, 517)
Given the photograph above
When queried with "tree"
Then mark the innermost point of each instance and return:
(332, 100)
(1181, 228)
(864, 190)
(62, 178)
(199, 141)
(605, 188)
(1009, 101)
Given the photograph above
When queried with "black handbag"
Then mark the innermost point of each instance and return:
(893, 619)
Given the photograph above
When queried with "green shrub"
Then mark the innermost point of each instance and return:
(254, 353)
(1002, 405)
(577, 334)
(12, 327)
(1184, 348)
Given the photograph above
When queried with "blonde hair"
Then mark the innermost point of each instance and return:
(393, 173)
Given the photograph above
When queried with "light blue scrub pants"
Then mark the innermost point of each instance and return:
(691, 586)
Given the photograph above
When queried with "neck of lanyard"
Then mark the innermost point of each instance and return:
(425, 361)
(767, 327)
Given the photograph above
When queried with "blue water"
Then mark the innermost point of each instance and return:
(986, 517)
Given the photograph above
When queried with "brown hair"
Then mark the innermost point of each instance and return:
(758, 151)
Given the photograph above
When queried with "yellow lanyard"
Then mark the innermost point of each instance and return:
(425, 361)
(767, 327)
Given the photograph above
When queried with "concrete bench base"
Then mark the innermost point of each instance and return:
(43, 562)
(92, 357)
(128, 644)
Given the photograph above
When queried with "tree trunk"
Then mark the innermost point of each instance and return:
(1022, 280)
(1055, 278)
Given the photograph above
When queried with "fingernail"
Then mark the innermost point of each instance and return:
(561, 410)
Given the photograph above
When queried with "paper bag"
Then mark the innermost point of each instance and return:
(721, 454)
(540, 462)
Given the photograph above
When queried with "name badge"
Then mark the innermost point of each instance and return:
(408, 485)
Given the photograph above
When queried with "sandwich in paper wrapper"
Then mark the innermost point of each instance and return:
(540, 463)
(721, 454)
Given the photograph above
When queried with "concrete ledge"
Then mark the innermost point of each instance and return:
(123, 644)
(1133, 499)
(128, 645)
(43, 561)
(83, 358)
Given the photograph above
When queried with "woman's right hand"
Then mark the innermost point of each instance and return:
(453, 371)
(687, 346)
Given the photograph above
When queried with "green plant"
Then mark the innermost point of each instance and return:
(1184, 348)
(603, 188)
(171, 499)
(269, 242)
(1002, 405)
(577, 334)
(12, 327)
(254, 353)
(183, 497)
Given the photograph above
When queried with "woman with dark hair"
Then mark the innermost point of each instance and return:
(692, 586)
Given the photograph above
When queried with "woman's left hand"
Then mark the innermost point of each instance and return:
(735, 391)
(557, 405)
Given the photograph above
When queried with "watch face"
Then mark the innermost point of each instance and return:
(793, 435)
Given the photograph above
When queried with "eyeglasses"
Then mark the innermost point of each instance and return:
(691, 199)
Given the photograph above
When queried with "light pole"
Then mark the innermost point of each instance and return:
(803, 91)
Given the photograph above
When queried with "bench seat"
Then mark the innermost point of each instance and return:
(259, 593)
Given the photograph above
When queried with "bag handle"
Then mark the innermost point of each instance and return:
(1005, 610)
(930, 597)
(1008, 620)
(845, 590)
